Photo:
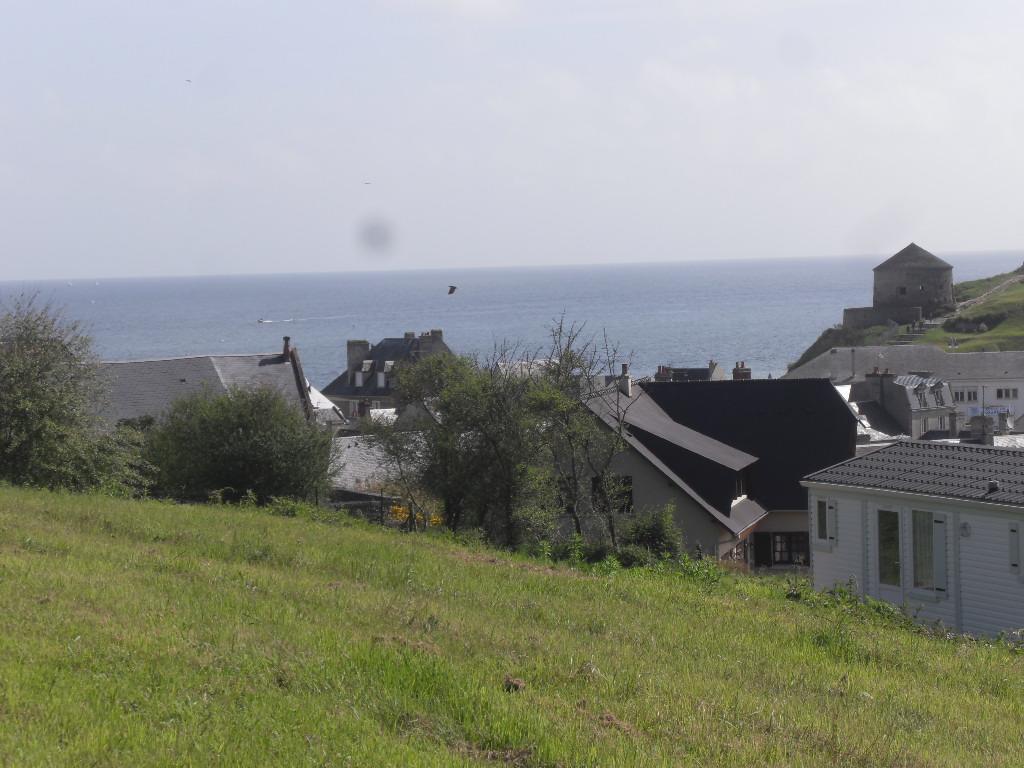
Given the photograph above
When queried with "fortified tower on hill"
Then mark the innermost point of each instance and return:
(909, 286)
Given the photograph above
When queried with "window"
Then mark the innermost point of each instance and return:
(822, 526)
(1006, 394)
(929, 550)
(922, 399)
(958, 395)
(939, 400)
(888, 548)
(789, 548)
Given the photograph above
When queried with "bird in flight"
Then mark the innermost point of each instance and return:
(451, 289)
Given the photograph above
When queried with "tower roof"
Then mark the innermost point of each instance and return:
(914, 256)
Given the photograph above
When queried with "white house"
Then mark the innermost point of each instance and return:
(989, 383)
(931, 526)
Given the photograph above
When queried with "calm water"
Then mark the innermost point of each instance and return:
(765, 312)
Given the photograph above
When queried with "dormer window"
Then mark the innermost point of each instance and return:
(922, 399)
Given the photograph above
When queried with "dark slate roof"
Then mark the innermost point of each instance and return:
(792, 427)
(853, 363)
(664, 443)
(147, 387)
(914, 256)
(935, 469)
(389, 350)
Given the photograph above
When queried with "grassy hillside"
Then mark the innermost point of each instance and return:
(154, 634)
(1006, 334)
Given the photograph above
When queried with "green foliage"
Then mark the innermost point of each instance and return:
(841, 336)
(656, 532)
(149, 633)
(636, 556)
(245, 445)
(50, 394)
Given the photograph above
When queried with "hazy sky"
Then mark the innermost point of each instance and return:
(498, 132)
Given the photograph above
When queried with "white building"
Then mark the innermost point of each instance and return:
(931, 526)
(981, 382)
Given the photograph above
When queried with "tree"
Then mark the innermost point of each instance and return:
(510, 443)
(50, 392)
(584, 410)
(246, 440)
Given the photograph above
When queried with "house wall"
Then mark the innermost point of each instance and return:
(652, 491)
(865, 317)
(984, 594)
(986, 390)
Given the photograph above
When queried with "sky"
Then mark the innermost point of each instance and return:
(223, 137)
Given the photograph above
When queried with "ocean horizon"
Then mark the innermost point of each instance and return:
(764, 312)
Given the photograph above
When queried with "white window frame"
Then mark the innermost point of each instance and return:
(830, 539)
(940, 579)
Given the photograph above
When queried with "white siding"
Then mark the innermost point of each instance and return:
(844, 558)
(984, 591)
(993, 596)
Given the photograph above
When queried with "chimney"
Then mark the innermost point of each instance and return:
(740, 372)
(287, 346)
(437, 333)
(954, 427)
(357, 351)
(625, 382)
(410, 335)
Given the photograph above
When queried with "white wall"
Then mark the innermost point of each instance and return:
(983, 595)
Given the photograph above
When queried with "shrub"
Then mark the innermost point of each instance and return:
(245, 445)
(635, 556)
(50, 395)
(657, 533)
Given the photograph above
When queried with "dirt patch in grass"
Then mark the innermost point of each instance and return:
(608, 720)
(516, 757)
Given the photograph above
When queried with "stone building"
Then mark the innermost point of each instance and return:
(368, 379)
(909, 286)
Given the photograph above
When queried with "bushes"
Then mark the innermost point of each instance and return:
(657, 533)
(50, 435)
(243, 442)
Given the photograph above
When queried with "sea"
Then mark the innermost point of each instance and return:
(763, 312)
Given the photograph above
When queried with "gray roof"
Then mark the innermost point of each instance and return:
(852, 363)
(916, 257)
(147, 387)
(382, 358)
(935, 469)
(360, 465)
(643, 413)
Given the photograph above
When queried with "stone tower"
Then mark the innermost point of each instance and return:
(914, 278)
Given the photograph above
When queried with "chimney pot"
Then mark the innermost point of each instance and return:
(625, 369)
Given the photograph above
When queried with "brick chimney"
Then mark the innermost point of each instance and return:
(625, 382)
(740, 372)
(357, 351)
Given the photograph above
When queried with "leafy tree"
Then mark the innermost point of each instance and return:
(245, 441)
(510, 443)
(50, 392)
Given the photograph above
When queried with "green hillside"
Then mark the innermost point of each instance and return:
(158, 634)
(1002, 313)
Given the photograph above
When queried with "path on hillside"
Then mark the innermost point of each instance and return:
(989, 293)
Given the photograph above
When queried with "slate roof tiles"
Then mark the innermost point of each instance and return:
(935, 469)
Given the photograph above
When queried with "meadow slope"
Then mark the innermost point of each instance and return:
(155, 634)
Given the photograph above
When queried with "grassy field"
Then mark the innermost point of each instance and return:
(153, 634)
(1007, 335)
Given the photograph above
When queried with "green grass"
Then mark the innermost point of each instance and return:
(972, 289)
(840, 336)
(153, 634)
(1007, 335)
